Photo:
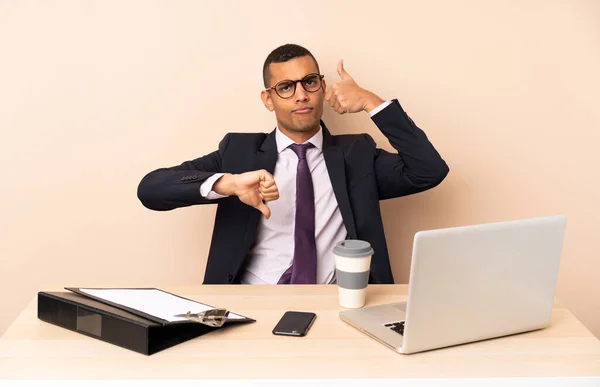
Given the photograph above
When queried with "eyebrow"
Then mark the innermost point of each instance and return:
(291, 80)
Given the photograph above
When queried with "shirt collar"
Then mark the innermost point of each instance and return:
(283, 141)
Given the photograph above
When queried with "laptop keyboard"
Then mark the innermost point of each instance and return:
(397, 327)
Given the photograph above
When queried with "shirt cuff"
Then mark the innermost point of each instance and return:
(379, 108)
(206, 188)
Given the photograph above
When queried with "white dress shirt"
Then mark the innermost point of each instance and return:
(273, 250)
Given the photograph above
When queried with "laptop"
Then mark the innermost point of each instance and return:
(471, 283)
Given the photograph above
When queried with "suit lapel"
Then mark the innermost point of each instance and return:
(266, 157)
(334, 160)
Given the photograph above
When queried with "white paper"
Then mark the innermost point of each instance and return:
(154, 302)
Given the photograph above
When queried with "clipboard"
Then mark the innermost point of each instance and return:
(155, 304)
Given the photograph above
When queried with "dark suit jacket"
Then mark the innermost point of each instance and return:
(360, 173)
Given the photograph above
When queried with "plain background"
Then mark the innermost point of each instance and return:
(95, 94)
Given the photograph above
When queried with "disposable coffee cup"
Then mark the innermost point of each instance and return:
(352, 263)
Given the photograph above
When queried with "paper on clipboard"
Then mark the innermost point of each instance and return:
(154, 302)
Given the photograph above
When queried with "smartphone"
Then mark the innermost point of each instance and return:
(294, 323)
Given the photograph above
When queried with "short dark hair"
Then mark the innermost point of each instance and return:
(283, 54)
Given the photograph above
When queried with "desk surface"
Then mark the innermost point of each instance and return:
(32, 349)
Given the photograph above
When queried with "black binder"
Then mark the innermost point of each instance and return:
(126, 328)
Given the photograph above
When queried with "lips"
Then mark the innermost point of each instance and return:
(303, 110)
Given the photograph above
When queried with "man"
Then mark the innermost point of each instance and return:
(313, 189)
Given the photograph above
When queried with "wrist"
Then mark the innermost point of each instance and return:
(225, 185)
(371, 101)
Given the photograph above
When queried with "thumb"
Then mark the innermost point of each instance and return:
(342, 72)
(266, 211)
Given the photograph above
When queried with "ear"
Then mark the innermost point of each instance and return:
(266, 99)
(323, 86)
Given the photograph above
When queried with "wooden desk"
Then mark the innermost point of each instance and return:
(33, 349)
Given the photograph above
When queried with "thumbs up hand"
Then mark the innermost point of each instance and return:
(346, 96)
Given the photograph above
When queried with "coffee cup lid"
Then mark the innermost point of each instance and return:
(353, 248)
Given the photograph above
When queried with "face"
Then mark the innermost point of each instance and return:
(303, 110)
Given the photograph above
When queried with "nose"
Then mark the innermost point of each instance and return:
(301, 94)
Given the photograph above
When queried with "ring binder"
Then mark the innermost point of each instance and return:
(124, 326)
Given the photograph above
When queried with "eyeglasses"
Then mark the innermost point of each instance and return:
(286, 89)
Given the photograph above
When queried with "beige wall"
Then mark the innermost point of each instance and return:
(94, 94)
